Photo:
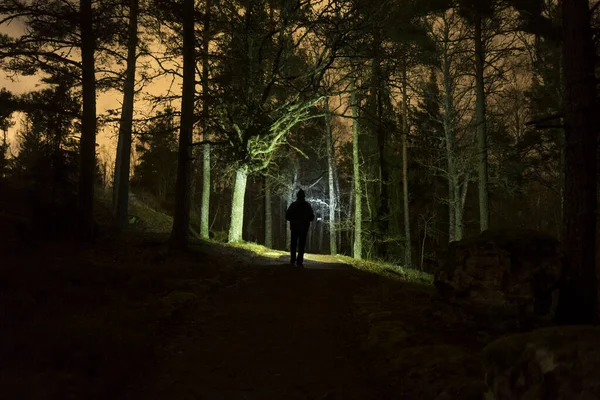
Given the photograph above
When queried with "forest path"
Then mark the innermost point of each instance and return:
(289, 333)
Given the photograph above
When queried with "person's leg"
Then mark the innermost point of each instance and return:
(293, 244)
(301, 246)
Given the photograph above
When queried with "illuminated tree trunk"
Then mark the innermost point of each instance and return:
(321, 228)
(181, 216)
(350, 232)
(290, 200)
(280, 243)
(408, 246)
(338, 209)
(461, 200)
(450, 140)
(578, 301)
(88, 122)
(288, 233)
(330, 170)
(481, 125)
(205, 206)
(268, 214)
(237, 205)
(357, 191)
(123, 160)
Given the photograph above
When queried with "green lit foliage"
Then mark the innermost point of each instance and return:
(267, 80)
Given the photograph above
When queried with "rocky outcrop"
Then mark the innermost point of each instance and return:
(560, 363)
(514, 269)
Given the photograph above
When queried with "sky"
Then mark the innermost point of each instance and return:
(106, 138)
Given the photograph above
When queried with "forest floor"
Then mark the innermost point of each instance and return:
(130, 319)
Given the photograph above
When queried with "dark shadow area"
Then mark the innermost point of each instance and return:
(127, 317)
(130, 318)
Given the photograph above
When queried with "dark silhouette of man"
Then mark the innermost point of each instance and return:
(299, 213)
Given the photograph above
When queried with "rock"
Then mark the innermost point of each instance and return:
(556, 363)
(518, 268)
(439, 372)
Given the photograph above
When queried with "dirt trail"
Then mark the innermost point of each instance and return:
(288, 334)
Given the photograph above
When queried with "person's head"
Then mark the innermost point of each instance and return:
(300, 195)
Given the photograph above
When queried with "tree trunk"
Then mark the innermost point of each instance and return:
(237, 205)
(383, 209)
(123, 160)
(181, 216)
(562, 95)
(330, 170)
(280, 243)
(460, 207)
(321, 228)
(349, 231)
(268, 214)
(408, 246)
(357, 191)
(578, 292)
(290, 200)
(484, 213)
(449, 135)
(382, 224)
(88, 122)
(205, 207)
(338, 209)
(288, 232)
(425, 223)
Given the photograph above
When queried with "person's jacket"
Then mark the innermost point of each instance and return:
(299, 213)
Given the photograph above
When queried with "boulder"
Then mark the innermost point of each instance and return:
(515, 269)
(559, 363)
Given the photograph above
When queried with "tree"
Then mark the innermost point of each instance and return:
(47, 160)
(181, 216)
(357, 195)
(579, 292)
(88, 119)
(6, 110)
(55, 30)
(268, 213)
(389, 37)
(205, 208)
(444, 114)
(331, 181)
(408, 245)
(476, 11)
(268, 84)
(123, 158)
(156, 169)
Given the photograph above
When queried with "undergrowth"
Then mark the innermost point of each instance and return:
(389, 271)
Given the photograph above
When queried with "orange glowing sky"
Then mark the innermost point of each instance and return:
(106, 137)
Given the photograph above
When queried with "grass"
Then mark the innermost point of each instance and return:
(388, 270)
(143, 218)
(257, 249)
(384, 269)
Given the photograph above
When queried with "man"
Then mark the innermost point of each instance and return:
(300, 213)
